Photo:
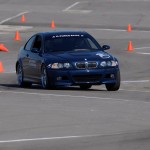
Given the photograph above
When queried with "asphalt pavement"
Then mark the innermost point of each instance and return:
(70, 118)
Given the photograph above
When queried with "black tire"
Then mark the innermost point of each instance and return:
(44, 78)
(85, 86)
(114, 86)
(20, 77)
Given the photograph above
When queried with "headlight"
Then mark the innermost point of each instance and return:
(67, 65)
(114, 63)
(59, 65)
(109, 63)
(103, 64)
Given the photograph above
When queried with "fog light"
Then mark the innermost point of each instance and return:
(59, 78)
(112, 76)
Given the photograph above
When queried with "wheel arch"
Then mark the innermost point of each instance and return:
(17, 63)
(43, 64)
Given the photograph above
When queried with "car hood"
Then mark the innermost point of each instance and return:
(82, 56)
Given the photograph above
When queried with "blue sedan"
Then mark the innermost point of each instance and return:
(66, 58)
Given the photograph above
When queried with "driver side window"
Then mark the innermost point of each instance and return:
(37, 43)
(29, 44)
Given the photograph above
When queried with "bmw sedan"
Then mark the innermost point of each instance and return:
(66, 58)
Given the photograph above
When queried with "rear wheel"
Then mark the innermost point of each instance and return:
(114, 86)
(85, 86)
(20, 80)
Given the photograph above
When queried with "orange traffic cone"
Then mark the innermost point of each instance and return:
(52, 25)
(130, 47)
(129, 28)
(17, 36)
(1, 67)
(23, 19)
(3, 48)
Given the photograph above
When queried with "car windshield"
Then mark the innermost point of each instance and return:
(77, 43)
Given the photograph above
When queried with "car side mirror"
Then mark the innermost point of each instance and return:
(105, 47)
(35, 50)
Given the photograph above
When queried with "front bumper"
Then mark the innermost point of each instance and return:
(78, 77)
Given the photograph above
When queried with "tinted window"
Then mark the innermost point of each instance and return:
(54, 43)
(29, 44)
(37, 43)
(93, 46)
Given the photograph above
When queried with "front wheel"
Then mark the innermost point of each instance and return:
(114, 86)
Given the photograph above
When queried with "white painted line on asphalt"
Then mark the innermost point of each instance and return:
(71, 6)
(121, 89)
(137, 135)
(79, 11)
(110, 29)
(13, 17)
(136, 81)
(9, 28)
(142, 48)
(46, 138)
(117, 30)
(72, 96)
(143, 53)
(69, 9)
(57, 95)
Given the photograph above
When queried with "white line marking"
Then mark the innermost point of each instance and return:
(57, 95)
(137, 81)
(71, 137)
(9, 28)
(142, 48)
(121, 30)
(71, 6)
(143, 53)
(13, 17)
(69, 9)
(110, 29)
(79, 11)
(72, 96)
(121, 89)
(45, 138)
(135, 91)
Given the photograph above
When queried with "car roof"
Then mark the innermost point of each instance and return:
(62, 32)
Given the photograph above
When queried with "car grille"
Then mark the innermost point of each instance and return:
(86, 65)
(86, 78)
